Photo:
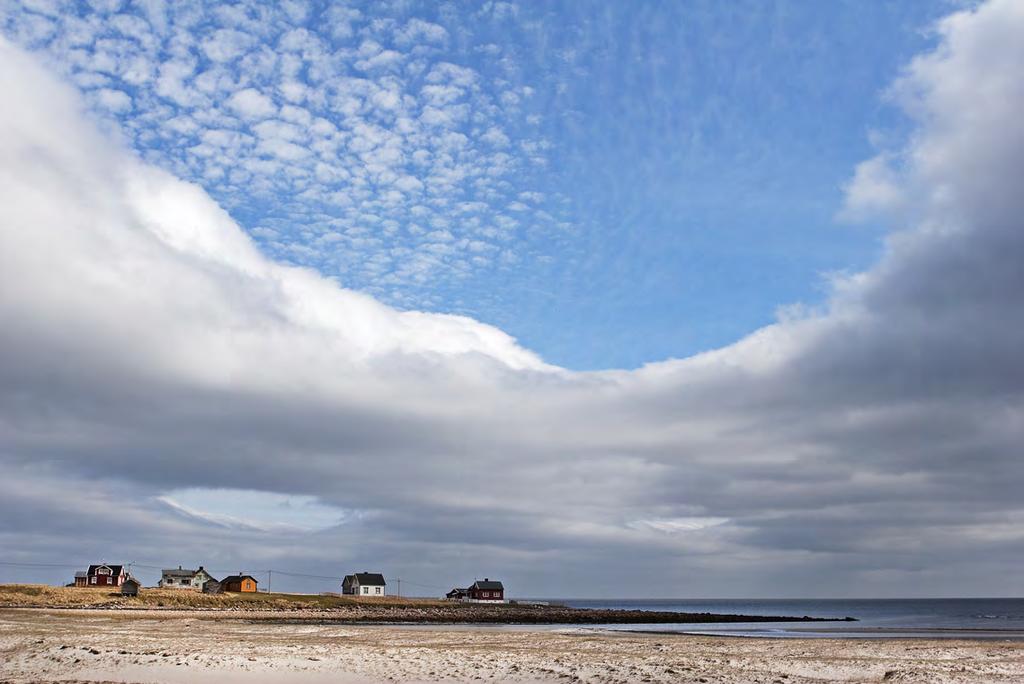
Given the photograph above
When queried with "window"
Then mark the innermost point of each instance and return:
(378, 590)
(92, 580)
(366, 590)
(170, 581)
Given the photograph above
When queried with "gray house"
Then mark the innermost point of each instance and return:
(184, 578)
(130, 587)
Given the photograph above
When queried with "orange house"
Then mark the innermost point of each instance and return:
(244, 584)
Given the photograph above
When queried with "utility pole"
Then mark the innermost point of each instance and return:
(270, 578)
(399, 581)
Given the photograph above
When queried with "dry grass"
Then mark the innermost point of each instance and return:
(44, 596)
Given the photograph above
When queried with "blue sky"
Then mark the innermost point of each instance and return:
(611, 183)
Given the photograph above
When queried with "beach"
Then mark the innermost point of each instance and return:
(170, 647)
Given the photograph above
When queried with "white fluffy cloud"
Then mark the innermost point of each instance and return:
(148, 348)
(251, 104)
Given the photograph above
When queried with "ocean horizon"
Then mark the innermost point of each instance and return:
(992, 618)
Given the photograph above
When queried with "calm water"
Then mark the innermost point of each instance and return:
(952, 618)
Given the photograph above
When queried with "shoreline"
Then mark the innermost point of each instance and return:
(792, 630)
(853, 634)
(462, 615)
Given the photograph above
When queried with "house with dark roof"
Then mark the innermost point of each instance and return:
(104, 575)
(183, 578)
(486, 590)
(242, 584)
(364, 584)
(457, 594)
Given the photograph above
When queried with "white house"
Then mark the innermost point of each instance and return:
(184, 578)
(364, 584)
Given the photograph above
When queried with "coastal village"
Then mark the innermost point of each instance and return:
(364, 584)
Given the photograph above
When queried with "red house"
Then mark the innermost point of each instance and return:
(486, 590)
(105, 575)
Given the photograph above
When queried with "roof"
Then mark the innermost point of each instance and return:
(179, 572)
(133, 580)
(488, 585)
(81, 573)
(370, 579)
(236, 578)
(115, 569)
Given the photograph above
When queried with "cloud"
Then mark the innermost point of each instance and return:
(874, 190)
(872, 447)
(170, 82)
(251, 104)
(416, 30)
(337, 73)
(226, 44)
(263, 511)
(114, 100)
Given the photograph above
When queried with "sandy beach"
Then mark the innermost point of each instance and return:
(43, 645)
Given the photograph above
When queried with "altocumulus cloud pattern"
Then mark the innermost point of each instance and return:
(344, 137)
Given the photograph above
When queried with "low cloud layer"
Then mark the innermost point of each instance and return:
(872, 448)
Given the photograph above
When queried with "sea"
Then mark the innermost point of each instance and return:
(950, 618)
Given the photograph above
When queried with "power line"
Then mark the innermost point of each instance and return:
(417, 584)
(299, 574)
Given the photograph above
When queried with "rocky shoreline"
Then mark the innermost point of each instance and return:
(438, 615)
(527, 615)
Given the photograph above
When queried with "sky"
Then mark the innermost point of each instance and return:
(610, 183)
(722, 298)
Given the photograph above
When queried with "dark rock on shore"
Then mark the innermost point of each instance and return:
(529, 615)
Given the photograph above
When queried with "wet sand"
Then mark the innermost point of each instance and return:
(40, 645)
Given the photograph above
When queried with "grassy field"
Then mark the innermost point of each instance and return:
(345, 609)
(45, 596)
